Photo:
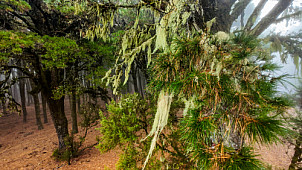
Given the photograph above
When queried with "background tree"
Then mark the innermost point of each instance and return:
(48, 57)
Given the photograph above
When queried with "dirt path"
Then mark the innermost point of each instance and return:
(22, 146)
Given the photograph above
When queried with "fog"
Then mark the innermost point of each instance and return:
(290, 66)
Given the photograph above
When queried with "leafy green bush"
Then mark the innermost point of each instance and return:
(89, 116)
(70, 151)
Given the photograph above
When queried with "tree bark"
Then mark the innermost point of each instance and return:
(79, 104)
(44, 109)
(22, 96)
(29, 97)
(35, 93)
(49, 81)
(140, 83)
(297, 159)
(59, 119)
(74, 111)
(38, 111)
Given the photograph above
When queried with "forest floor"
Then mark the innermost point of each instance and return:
(23, 146)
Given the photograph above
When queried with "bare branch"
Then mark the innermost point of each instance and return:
(252, 19)
(298, 13)
(239, 8)
(270, 17)
(29, 26)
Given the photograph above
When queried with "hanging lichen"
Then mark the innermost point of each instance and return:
(139, 41)
(160, 120)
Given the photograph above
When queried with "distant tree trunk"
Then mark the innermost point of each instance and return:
(29, 97)
(44, 109)
(83, 99)
(79, 104)
(38, 111)
(22, 93)
(23, 99)
(3, 103)
(134, 77)
(35, 95)
(74, 111)
(139, 83)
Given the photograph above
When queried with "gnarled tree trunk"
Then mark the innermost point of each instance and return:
(50, 80)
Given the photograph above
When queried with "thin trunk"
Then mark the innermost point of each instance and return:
(23, 99)
(44, 109)
(74, 112)
(38, 111)
(69, 100)
(140, 84)
(4, 107)
(79, 104)
(83, 98)
(35, 95)
(22, 93)
(135, 82)
(29, 97)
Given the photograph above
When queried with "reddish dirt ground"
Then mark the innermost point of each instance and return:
(22, 146)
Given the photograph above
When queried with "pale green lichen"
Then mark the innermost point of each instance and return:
(160, 120)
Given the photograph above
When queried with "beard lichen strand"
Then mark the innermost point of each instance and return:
(160, 120)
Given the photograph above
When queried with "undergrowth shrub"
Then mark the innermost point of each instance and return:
(128, 122)
(89, 116)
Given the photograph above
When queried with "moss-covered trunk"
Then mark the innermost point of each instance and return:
(50, 81)
(59, 119)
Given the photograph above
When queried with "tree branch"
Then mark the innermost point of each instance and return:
(270, 17)
(288, 16)
(26, 22)
(252, 19)
(23, 70)
(239, 8)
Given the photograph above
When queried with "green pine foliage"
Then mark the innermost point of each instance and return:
(123, 126)
(234, 92)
